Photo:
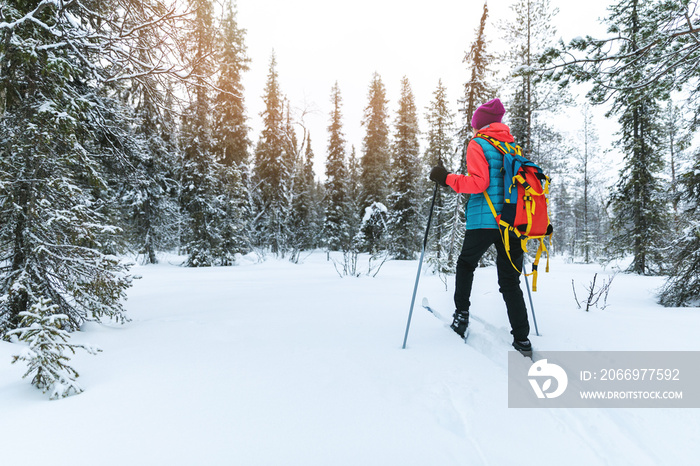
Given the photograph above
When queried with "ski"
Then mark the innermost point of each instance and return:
(444, 319)
(488, 327)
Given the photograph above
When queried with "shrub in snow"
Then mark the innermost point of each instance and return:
(372, 235)
(45, 355)
(595, 294)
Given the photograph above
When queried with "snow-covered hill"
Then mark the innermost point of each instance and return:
(283, 364)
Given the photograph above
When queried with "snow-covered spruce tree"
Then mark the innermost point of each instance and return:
(231, 141)
(477, 90)
(683, 285)
(369, 221)
(354, 202)
(589, 233)
(232, 202)
(305, 216)
(42, 329)
(54, 149)
(404, 201)
(586, 158)
(292, 184)
(269, 171)
(440, 150)
(375, 164)
(528, 34)
(231, 144)
(562, 209)
(63, 140)
(376, 157)
(337, 232)
(651, 48)
(212, 225)
(641, 219)
(147, 189)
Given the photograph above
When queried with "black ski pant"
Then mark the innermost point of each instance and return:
(476, 242)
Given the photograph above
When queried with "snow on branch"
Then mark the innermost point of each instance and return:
(672, 52)
(130, 43)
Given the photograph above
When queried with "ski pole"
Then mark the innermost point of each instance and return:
(420, 264)
(529, 295)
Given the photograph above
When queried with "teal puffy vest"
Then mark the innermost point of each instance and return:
(478, 213)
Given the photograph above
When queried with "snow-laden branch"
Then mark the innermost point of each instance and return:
(670, 53)
(115, 40)
(31, 16)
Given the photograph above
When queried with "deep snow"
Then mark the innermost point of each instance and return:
(280, 364)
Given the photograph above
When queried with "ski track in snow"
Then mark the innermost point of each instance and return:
(490, 341)
(591, 427)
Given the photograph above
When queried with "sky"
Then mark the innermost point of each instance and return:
(319, 42)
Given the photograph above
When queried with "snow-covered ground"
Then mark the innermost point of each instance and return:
(280, 364)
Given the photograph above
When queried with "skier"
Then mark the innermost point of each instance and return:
(484, 164)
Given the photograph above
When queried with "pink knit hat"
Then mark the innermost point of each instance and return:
(490, 112)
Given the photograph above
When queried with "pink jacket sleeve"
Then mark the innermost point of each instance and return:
(477, 178)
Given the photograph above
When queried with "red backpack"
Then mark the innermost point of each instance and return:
(525, 211)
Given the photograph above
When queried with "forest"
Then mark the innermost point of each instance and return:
(124, 134)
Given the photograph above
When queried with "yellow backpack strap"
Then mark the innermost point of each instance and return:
(493, 209)
(536, 263)
(505, 235)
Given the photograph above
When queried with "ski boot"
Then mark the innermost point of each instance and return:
(524, 347)
(460, 322)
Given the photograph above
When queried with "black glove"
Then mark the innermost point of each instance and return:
(439, 175)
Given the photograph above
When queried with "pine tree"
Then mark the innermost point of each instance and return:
(440, 144)
(478, 89)
(666, 53)
(561, 212)
(440, 129)
(374, 169)
(640, 221)
(213, 227)
(354, 192)
(305, 220)
(148, 188)
(336, 228)
(651, 49)
(529, 33)
(270, 164)
(231, 144)
(587, 160)
(56, 143)
(579, 211)
(291, 187)
(230, 123)
(404, 201)
(376, 157)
